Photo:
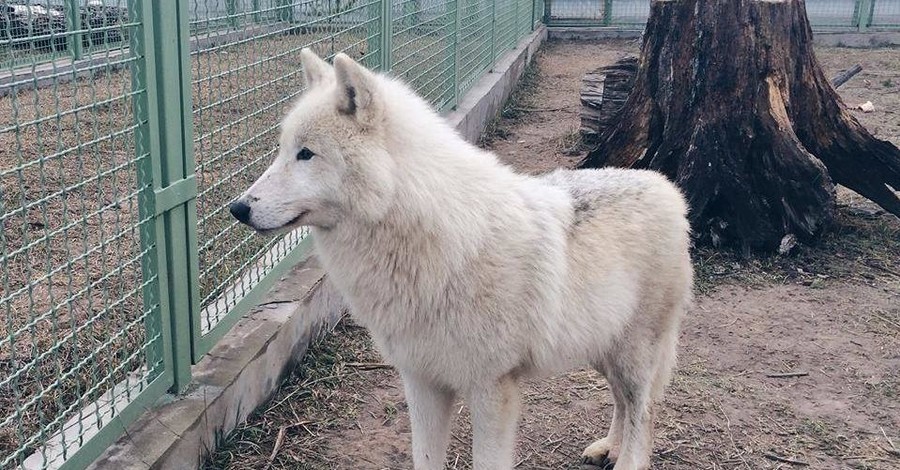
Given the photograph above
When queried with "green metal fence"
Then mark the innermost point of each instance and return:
(127, 126)
(824, 15)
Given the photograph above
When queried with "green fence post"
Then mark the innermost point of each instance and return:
(386, 33)
(256, 16)
(75, 39)
(373, 36)
(548, 6)
(607, 12)
(231, 12)
(518, 18)
(153, 261)
(458, 26)
(865, 8)
(412, 10)
(174, 188)
(493, 33)
(285, 10)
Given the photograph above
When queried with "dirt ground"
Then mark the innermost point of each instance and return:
(785, 362)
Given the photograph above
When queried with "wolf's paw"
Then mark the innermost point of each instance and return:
(598, 456)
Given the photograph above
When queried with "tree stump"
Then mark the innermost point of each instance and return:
(730, 103)
(603, 94)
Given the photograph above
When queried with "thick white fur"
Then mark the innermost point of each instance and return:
(470, 276)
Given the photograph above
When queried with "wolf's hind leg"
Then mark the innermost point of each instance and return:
(604, 451)
(633, 370)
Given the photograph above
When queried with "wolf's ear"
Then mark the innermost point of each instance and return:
(315, 70)
(357, 94)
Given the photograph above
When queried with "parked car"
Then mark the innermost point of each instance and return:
(47, 24)
(21, 21)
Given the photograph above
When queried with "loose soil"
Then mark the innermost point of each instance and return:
(828, 316)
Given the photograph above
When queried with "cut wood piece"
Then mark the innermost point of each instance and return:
(603, 93)
(730, 103)
(842, 77)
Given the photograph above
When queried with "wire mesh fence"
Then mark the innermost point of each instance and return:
(823, 14)
(127, 126)
(76, 328)
(885, 14)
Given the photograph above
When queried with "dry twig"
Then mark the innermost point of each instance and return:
(777, 458)
(784, 375)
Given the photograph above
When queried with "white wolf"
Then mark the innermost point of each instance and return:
(470, 276)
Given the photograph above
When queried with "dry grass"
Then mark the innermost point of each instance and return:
(517, 105)
(861, 246)
(322, 393)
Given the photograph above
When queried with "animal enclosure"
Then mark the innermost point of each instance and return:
(127, 128)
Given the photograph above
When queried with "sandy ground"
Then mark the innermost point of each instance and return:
(829, 316)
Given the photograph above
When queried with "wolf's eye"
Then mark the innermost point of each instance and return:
(305, 154)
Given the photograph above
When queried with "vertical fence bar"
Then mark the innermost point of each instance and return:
(286, 10)
(865, 8)
(175, 190)
(387, 31)
(493, 32)
(256, 16)
(607, 12)
(231, 12)
(458, 26)
(153, 262)
(516, 21)
(75, 39)
(373, 35)
(533, 13)
(411, 13)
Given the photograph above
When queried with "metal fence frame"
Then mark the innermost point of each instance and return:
(441, 46)
(845, 15)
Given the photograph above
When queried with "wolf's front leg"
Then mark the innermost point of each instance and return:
(495, 416)
(429, 416)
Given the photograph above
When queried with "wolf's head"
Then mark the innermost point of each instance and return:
(332, 158)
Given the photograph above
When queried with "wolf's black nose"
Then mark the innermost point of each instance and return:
(240, 211)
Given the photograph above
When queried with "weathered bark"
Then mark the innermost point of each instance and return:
(731, 104)
(604, 92)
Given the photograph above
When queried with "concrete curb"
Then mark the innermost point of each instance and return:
(858, 40)
(563, 33)
(245, 368)
(485, 99)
